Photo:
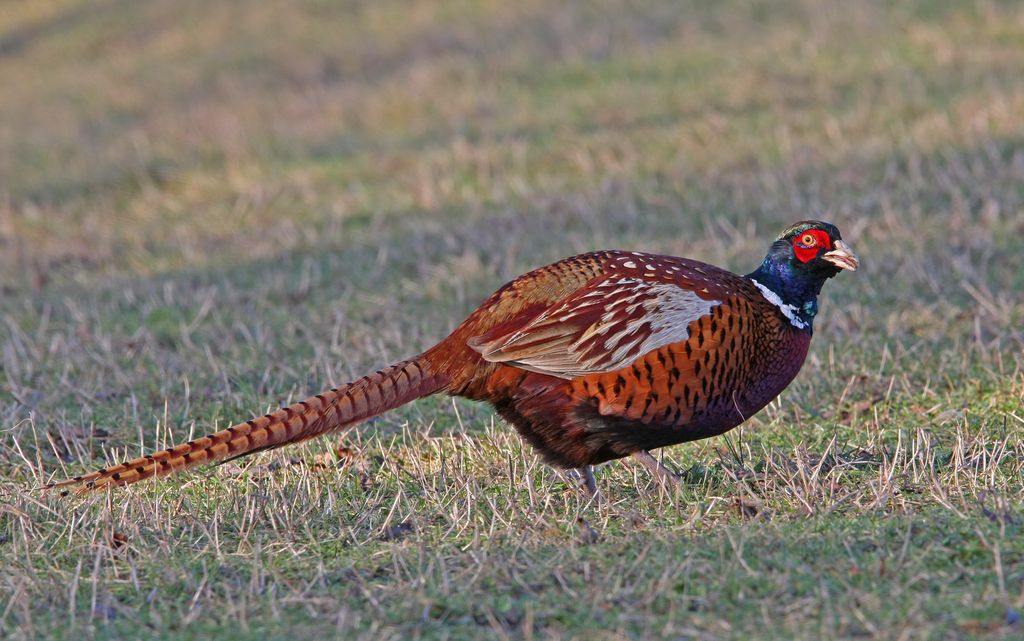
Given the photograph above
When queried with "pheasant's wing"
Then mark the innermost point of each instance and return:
(607, 324)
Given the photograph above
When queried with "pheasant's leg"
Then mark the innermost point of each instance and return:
(659, 471)
(589, 483)
(584, 479)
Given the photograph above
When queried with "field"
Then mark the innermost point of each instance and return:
(211, 209)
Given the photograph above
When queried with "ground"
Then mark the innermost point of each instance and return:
(210, 209)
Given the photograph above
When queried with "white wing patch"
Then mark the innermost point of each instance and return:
(670, 314)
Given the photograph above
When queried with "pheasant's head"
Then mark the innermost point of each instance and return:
(799, 262)
(812, 247)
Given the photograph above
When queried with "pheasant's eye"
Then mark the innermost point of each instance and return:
(808, 244)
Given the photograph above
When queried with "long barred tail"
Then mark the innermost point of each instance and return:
(332, 410)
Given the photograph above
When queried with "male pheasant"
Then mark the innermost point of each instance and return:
(593, 358)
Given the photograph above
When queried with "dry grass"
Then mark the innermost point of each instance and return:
(208, 211)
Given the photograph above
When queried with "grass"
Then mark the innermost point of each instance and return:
(207, 211)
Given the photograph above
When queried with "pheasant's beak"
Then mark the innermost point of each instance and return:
(842, 257)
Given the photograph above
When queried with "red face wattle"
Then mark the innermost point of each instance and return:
(808, 244)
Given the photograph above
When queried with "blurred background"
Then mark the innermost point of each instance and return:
(146, 138)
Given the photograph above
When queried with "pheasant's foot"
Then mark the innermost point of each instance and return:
(583, 478)
(665, 476)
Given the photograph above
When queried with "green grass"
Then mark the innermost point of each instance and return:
(206, 211)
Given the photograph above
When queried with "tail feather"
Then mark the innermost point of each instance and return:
(332, 410)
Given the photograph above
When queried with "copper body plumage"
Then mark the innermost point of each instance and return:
(592, 358)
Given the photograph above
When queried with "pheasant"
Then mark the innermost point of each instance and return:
(596, 357)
